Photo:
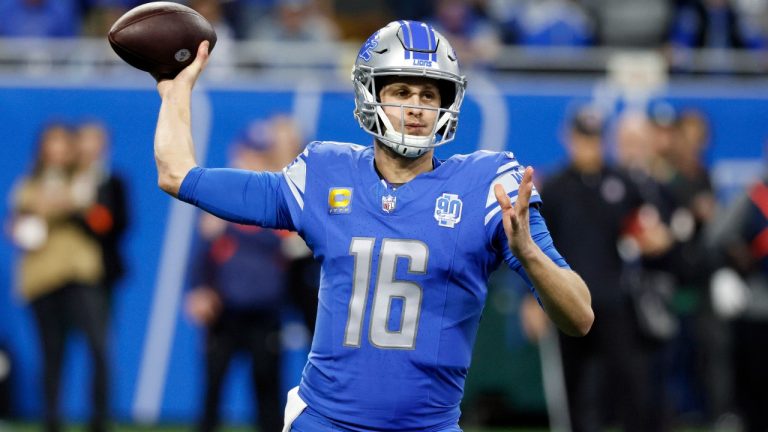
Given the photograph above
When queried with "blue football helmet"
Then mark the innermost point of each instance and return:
(407, 48)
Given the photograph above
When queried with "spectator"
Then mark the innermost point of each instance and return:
(553, 23)
(704, 335)
(641, 148)
(693, 140)
(755, 12)
(739, 237)
(505, 14)
(222, 65)
(651, 147)
(588, 205)
(39, 18)
(629, 23)
(475, 39)
(643, 143)
(239, 285)
(99, 15)
(659, 137)
(713, 24)
(103, 195)
(292, 27)
(243, 15)
(296, 21)
(358, 19)
(410, 9)
(59, 271)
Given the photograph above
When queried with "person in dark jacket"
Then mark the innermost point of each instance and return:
(739, 237)
(106, 216)
(242, 278)
(594, 212)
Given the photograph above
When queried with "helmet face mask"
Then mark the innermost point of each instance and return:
(407, 49)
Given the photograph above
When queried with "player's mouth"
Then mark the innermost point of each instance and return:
(415, 128)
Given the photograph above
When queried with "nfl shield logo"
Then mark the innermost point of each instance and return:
(388, 203)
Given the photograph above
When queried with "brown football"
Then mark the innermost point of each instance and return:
(160, 37)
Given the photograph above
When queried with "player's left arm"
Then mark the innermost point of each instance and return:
(562, 291)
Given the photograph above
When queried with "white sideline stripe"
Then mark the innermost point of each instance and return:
(554, 383)
(172, 269)
(306, 112)
(306, 106)
(493, 113)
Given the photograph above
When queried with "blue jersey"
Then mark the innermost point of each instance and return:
(403, 283)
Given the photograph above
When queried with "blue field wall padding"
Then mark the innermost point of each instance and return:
(533, 131)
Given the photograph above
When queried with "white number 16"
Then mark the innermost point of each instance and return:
(386, 290)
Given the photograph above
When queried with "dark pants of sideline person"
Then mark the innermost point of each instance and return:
(256, 333)
(751, 379)
(81, 307)
(303, 281)
(607, 367)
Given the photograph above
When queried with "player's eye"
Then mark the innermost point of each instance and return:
(401, 93)
(429, 97)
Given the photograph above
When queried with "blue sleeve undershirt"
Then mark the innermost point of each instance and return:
(540, 235)
(239, 196)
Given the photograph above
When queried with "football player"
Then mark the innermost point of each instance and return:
(406, 241)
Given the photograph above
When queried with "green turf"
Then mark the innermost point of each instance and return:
(14, 427)
(26, 427)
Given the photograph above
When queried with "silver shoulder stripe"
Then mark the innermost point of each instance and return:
(297, 173)
(507, 166)
(294, 191)
(508, 180)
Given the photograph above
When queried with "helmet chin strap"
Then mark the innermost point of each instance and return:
(404, 144)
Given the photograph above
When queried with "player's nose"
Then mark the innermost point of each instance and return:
(414, 108)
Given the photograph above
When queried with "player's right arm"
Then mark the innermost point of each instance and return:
(239, 196)
(174, 149)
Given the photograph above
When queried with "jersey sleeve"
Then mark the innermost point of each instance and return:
(240, 196)
(542, 238)
(509, 174)
(294, 183)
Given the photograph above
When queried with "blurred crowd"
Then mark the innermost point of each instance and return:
(679, 280)
(241, 279)
(677, 277)
(476, 28)
(69, 216)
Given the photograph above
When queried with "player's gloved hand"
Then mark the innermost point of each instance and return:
(188, 76)
(515, 217)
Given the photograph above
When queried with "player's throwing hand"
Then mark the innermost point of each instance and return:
(188, 76)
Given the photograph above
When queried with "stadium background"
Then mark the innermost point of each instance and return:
(523, 114)
(156, 369)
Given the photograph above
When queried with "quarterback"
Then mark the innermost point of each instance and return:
(406, 241)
